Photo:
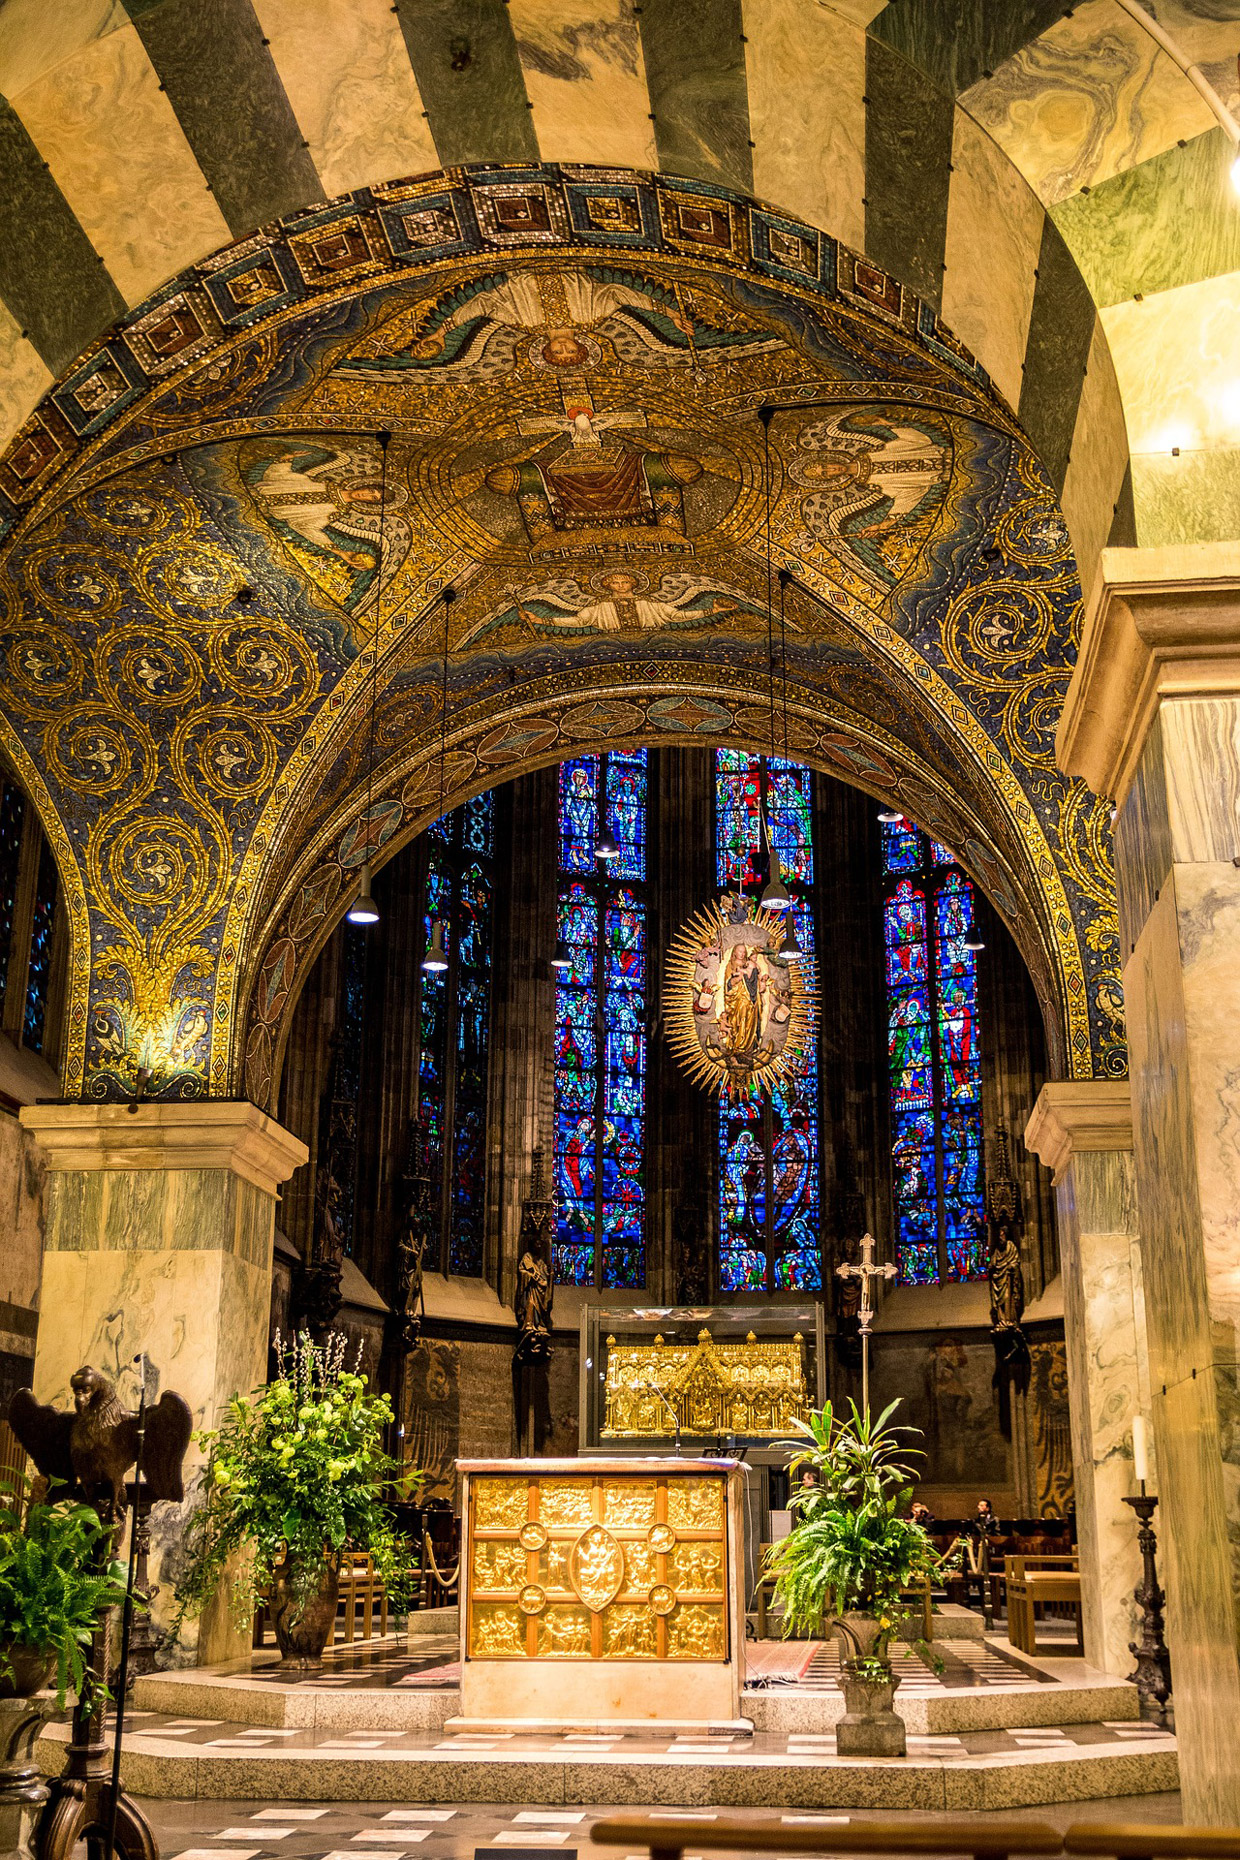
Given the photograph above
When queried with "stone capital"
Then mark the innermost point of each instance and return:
(1159, 623)
(1073, 1116)
(205, 1135)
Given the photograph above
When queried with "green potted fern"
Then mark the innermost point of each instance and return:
(57, 1577)
(848, 1558)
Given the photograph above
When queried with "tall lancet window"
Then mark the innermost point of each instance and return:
(935, 1060)
(600, 1025)
(455, 1025)
(770, 1188)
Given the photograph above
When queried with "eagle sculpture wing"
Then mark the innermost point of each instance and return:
(169, 1425)
(44, 1432)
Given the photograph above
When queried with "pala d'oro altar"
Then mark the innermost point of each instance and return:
(588, 1563)
(744, 1387)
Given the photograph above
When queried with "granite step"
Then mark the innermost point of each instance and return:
(995, 1769)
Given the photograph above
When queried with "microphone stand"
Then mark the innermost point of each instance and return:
(122, 1674)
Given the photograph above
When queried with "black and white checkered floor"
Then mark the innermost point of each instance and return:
(246, 1831)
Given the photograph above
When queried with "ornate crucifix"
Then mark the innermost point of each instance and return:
(867, 1272)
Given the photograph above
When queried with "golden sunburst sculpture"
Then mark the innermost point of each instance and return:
(739, 1013)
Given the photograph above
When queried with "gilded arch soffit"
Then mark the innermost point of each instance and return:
(572, 378)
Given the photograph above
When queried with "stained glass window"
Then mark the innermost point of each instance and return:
(455, 1029)
(770, 1189)
(12, 816)
(600, 1025)
(934, 1059)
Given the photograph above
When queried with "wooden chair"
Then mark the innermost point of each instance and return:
(1033, 1582)
(986, 1837)
(361, 1588)
(1135, 1840)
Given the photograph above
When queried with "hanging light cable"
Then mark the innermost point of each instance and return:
(775, 896)
(363, 909)
(435, 961)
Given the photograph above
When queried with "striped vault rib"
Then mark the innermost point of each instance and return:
(464, 57)
(809, 135)
(586, 79)
(908, 153)
(54, 284)
(695, 71)
(221, 82)
(24, 376)
(957, 45)
(120, 158)
(1061, 330)
(346, 72)
(1099, 459)
(1170, 221)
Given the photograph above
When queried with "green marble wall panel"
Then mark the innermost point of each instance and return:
(1061, 333)
(464, 57)
(1193, 498)
(1169, 221)
(54, 286)
(182, 1210)
(695, 73)
(909, 124)
(964, 41)
(223, 85)
(1097, 1208)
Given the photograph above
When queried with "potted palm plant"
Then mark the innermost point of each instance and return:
(296, 1474)
(57, 1577)
(848, 1558)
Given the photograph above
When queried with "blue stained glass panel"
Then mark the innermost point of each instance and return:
(905, 935)
(742, 1269)
(909, 1051)
(626, 812)
(738, 802)
(578, 813)
(940, 854)
(918, 1261)
(625, 931)
(573, 1265)
(39, 972)
(789, 789)
(624, 1267)
(478, 825)
(901, 849)
(12, 816)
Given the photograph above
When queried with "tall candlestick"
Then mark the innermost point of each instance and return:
(1140, 1449)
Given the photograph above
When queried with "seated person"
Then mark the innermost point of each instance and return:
(921, 1514)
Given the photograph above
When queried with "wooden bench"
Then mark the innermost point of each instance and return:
(986, 1837)
(1137, 1840)
(1034, 1582)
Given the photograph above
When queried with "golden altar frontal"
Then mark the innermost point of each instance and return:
(741, 1387)
(601, 1590)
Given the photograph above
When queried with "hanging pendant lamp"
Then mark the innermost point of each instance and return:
(562, 961)
(790, 949)
(606, 847)
(435, 961)
(363, 909)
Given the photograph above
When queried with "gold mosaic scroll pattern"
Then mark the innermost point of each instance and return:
(712, 1388)
(599, 1567)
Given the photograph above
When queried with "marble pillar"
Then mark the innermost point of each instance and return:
(1083, 1133)
(158, 1237)
(1153, 719)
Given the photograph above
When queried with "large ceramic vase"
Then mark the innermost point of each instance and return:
(303, 1627)
(870, 1726)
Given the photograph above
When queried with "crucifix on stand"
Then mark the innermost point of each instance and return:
(867, 1272)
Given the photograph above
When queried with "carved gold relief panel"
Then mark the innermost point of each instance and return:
(746, 1387)
(598, 1568)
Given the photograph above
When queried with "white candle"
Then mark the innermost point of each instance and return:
(1140, 1448)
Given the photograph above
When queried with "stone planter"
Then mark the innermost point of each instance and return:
(303, 1630)
(870, 1726)
(32, 1670)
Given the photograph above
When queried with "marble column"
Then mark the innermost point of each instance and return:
(1153, 719)
(1083, 1133)
(159, 1221)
